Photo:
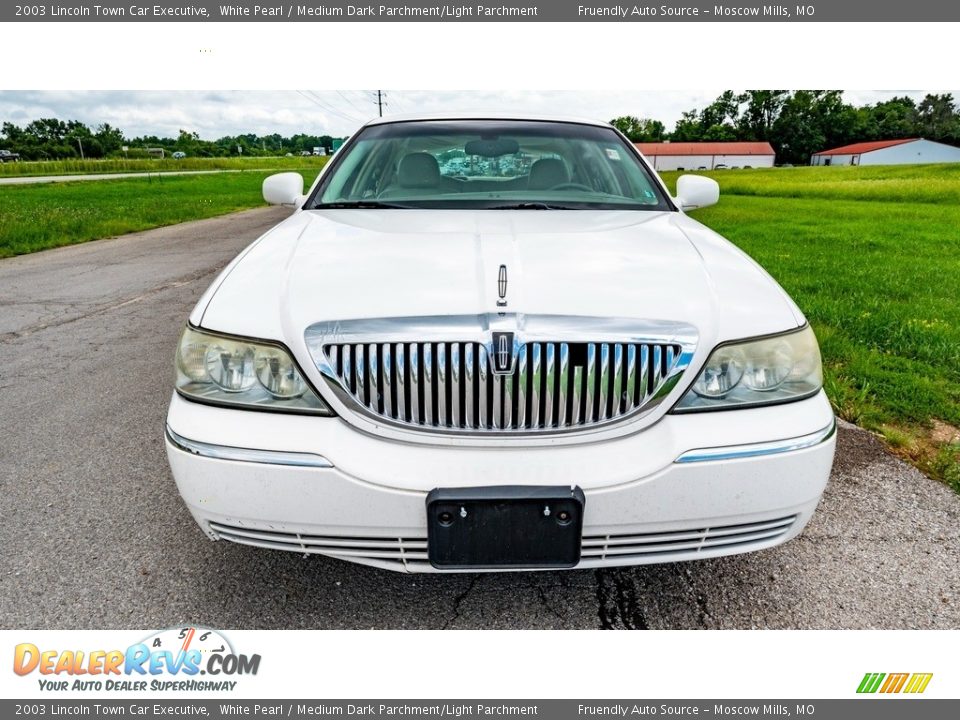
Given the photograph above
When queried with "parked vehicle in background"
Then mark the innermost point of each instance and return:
(530, 359)
(178, 155)
(7, 156)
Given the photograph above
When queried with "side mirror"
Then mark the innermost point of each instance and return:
(695, 191)
(283, 189)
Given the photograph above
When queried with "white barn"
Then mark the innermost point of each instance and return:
(907, 151)
(707, 155)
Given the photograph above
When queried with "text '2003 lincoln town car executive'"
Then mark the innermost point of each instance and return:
(495, 343)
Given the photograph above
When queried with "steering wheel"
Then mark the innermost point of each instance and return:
(572, 186)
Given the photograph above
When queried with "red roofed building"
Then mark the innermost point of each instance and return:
(707, 155)
(907, 151)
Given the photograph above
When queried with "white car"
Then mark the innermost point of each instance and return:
(542, 362)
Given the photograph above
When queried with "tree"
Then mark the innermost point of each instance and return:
(640, 129)
(796, 132)
(762, 110)
(688, 128)
(938, 118)
(894, 119)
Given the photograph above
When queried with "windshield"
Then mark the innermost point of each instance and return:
(489, 164)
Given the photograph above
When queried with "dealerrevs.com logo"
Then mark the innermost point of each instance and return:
(179, 659)
(892, 683)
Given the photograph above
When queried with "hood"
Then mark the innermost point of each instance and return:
(352, 264)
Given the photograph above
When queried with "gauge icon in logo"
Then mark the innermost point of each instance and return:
(183, 639)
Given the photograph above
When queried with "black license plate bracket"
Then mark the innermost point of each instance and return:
(505, 526)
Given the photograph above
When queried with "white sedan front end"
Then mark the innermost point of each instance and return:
(530, 358)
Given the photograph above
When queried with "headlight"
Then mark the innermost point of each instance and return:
(757, 372)
(235, 371)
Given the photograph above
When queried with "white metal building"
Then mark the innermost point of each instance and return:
(707, 155)
(908, 151)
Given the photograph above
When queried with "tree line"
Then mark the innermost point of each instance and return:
(800, 123)
(54, 139)
(797, 124)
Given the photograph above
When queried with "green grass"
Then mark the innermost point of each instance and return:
(872, 256)
(48, 215)
(904, 183)
(168, 164)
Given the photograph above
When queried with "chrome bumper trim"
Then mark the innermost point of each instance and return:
(775, 447)
(265, 457)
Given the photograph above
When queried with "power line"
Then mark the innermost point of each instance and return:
(350, 102)
(315, 98)
(346, 115)
(397, 104)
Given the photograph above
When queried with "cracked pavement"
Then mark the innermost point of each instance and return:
(95, 536)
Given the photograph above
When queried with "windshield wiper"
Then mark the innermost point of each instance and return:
(359, 204)
(531, 206)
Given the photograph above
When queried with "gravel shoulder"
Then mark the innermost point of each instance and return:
(95, 535)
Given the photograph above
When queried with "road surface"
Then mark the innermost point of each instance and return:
(35, 179)
(94, 534)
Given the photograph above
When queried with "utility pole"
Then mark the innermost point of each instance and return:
(380, 102)
(80, 143)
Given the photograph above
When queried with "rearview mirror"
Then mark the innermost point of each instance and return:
(492, 147)
(694, 191)
(283, 189)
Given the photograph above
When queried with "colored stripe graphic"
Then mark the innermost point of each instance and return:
(894, 683)
(918, 682)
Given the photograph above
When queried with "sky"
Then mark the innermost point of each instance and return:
(214, 114)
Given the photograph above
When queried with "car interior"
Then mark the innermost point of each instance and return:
(425, 167)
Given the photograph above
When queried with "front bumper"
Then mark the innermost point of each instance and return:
(692, 486)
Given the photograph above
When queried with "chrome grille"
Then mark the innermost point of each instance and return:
(684, 542)
(360, 549)
(553, 386)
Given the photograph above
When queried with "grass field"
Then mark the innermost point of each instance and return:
(168, 164)
(872, 256)
(38, 217)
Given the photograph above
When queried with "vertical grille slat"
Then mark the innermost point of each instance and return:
(616, 396)
(359, 374)
(469, 373)
(497, 414)
(631, 379)
(548, 386)
(564, 385)
(401, 384)
(575, 394)
(455, 419)
(605, 377)
(535, 376)
(451, 385)
(346, 369)
(373, 372)
(414, 389)
(387, 384)
(655, 368)
(441, 387)
(483, 375)
(428, 390)
(590, 383)
(522, 391)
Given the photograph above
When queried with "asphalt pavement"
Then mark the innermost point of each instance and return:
(36, 179)
(94, 534)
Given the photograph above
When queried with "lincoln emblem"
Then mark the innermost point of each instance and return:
(502, 353)
(502, 286)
